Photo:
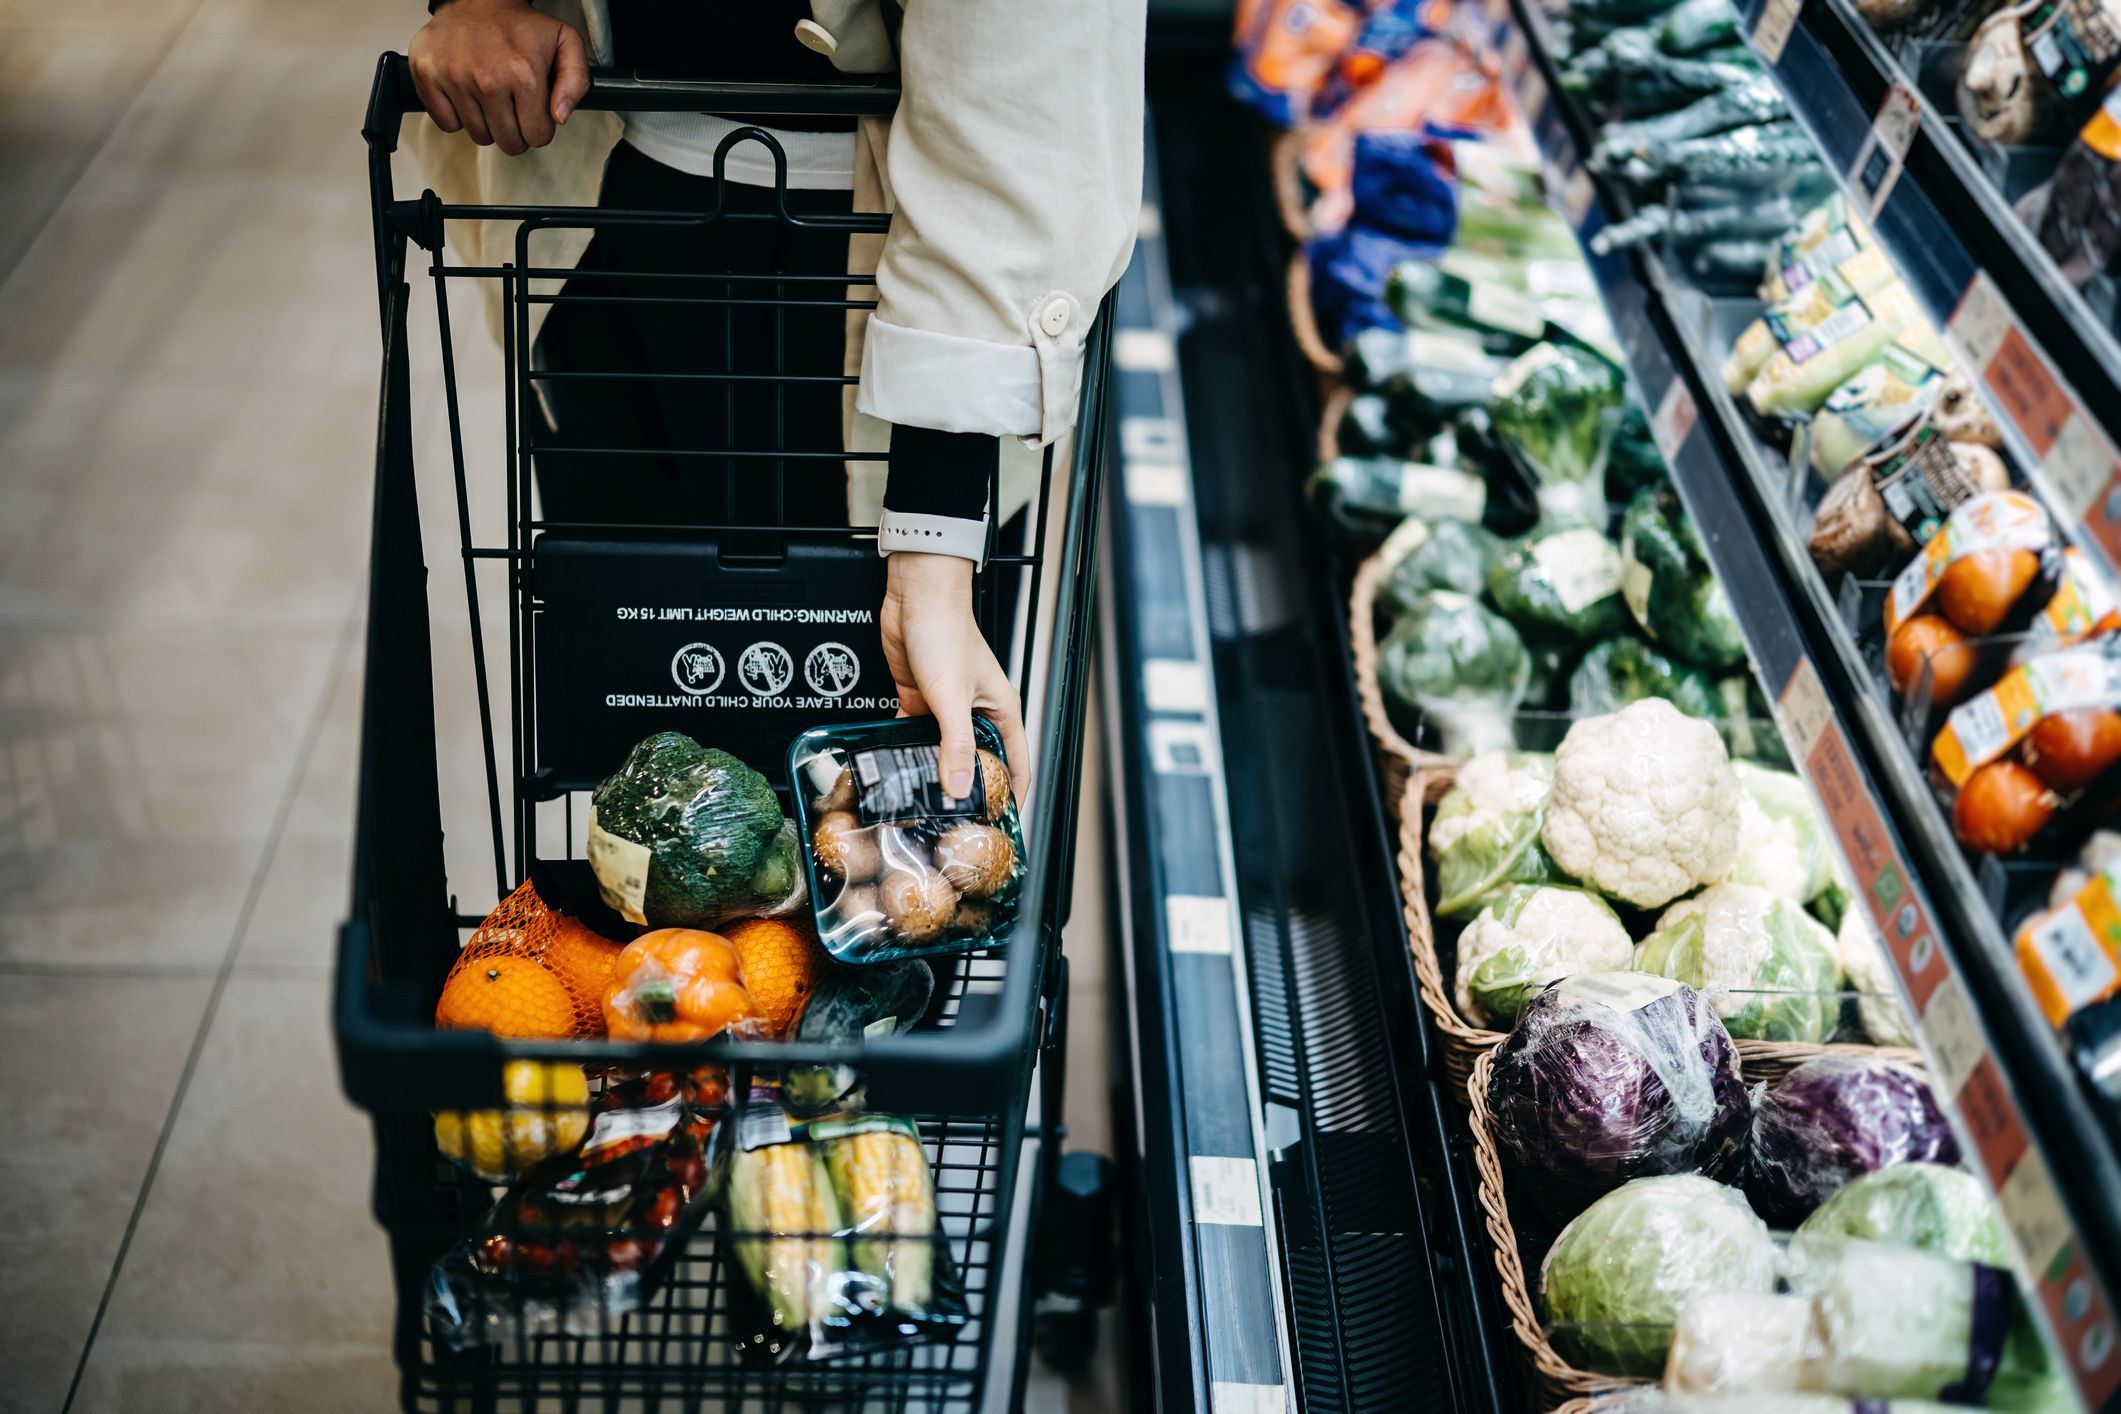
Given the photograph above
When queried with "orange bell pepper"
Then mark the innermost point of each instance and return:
(676, 984)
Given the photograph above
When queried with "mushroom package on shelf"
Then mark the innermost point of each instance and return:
(899, 868)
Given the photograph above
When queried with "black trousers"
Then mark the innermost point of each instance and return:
(624, 313)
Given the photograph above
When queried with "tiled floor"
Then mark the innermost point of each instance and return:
(187, 401)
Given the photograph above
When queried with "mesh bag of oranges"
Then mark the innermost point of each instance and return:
(530, 971)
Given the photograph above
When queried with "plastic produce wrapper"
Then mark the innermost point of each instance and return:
(1612, 1076)
(1485, 834)
(1454, 666)
(850, 1006)
(1560, 586)
(1526, 937)
(1616, 671)
(1403, 184)
(686, 836)
(1441, 554)
(1770, 969)
(1617, 1278)
(1557, 410)
(898, 868)
(1923, 1205)
(589, 1237)
(1437, 81)
(1285, 51)
(1836, 1118)
(2071, 954)
(1878, 1322)
(832, 1224)
(1348, 273)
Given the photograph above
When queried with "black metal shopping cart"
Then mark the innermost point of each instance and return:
(615, 629)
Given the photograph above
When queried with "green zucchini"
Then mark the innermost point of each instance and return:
(1743, 157)
(1755, 101)
(848, 1005)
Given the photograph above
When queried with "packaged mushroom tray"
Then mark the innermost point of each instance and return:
(899, 868)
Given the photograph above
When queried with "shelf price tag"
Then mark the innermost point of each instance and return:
(1674, 418)
(1532, 94)
(1577, 196)
(2080, 469)
(1884, 152)
(1771, 32)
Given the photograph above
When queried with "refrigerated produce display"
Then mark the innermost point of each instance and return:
(1615, 656)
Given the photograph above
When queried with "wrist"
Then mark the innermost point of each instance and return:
(914, 574)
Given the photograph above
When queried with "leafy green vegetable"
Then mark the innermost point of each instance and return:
(1557, 410)
(1563, 586)
(1618, 671)
(1770, 969)
(712, 825)
(1930, 1206)
(1671, 590)
(1621, 1273)
(1526, 937)
(1454, 555)
(1635, 463)
(1453, 665)
(1485, 833)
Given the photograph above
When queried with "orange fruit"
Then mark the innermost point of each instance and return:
(581, 956)
(781, 962)
(509, 996)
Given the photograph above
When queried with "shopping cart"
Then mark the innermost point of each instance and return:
(964, 1074)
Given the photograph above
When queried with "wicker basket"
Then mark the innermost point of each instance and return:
(1558, 1381)
(1464, 1042)
(1304, 323)
(1337, 399)
(1397, 758)
(1285, 169)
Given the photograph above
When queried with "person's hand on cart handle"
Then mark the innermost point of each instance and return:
(500, 70)
(943, 667)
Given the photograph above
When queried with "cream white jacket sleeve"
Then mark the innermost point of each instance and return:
(1014, 169)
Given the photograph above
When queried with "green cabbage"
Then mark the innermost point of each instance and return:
(1671, 589)
(1451, 554)
(1620, 1274)
(1770, 969)
(1938, 1209)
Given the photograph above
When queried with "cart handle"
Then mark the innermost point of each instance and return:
(631, 91)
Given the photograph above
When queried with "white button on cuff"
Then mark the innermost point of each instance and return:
(1054, 317)
(814, 36)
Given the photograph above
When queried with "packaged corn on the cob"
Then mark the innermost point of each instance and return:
(880, 1171)
(833, 1224)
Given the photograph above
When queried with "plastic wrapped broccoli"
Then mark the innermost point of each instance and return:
(1454, 666)
(1558, 410)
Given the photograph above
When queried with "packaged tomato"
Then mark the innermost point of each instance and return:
(1980, 566)
(2071, 955)
(587, 1237)
(898, 867)
(2055, 707)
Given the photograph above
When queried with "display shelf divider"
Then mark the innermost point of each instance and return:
(2047, 1162)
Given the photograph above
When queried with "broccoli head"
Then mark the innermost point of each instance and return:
(709, 822)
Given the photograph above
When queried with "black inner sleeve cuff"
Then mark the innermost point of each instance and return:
(940, 473)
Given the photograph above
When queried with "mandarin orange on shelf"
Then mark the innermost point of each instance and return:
(781, 963)
(509, 996)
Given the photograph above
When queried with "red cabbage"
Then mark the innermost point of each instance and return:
(1613, 1076)
(1835, 1118)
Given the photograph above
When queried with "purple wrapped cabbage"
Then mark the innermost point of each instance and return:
(1612, 1076)
(1837, 1118)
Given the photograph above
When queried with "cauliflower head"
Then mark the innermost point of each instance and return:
(1781, 841)
(1528, 937)
(1491, 791)
(1771, 970)
(1870, 976)
(1644, 805)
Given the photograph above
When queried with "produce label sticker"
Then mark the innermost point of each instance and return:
(1441, 492)
(2071, 956)
(1771, 32)
(1674, 418)
(1635, 582)
(2083, 602)
(1582, 565)
(621, 867)
(2001, 520)
(1980, 731)
(1817, 318)
(1497, 304)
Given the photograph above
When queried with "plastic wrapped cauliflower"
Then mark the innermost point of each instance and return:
(1644, 805)
(1528, 936)
(1770, 969)
(1485, 835)
(1781, 841)
(1870, 977)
